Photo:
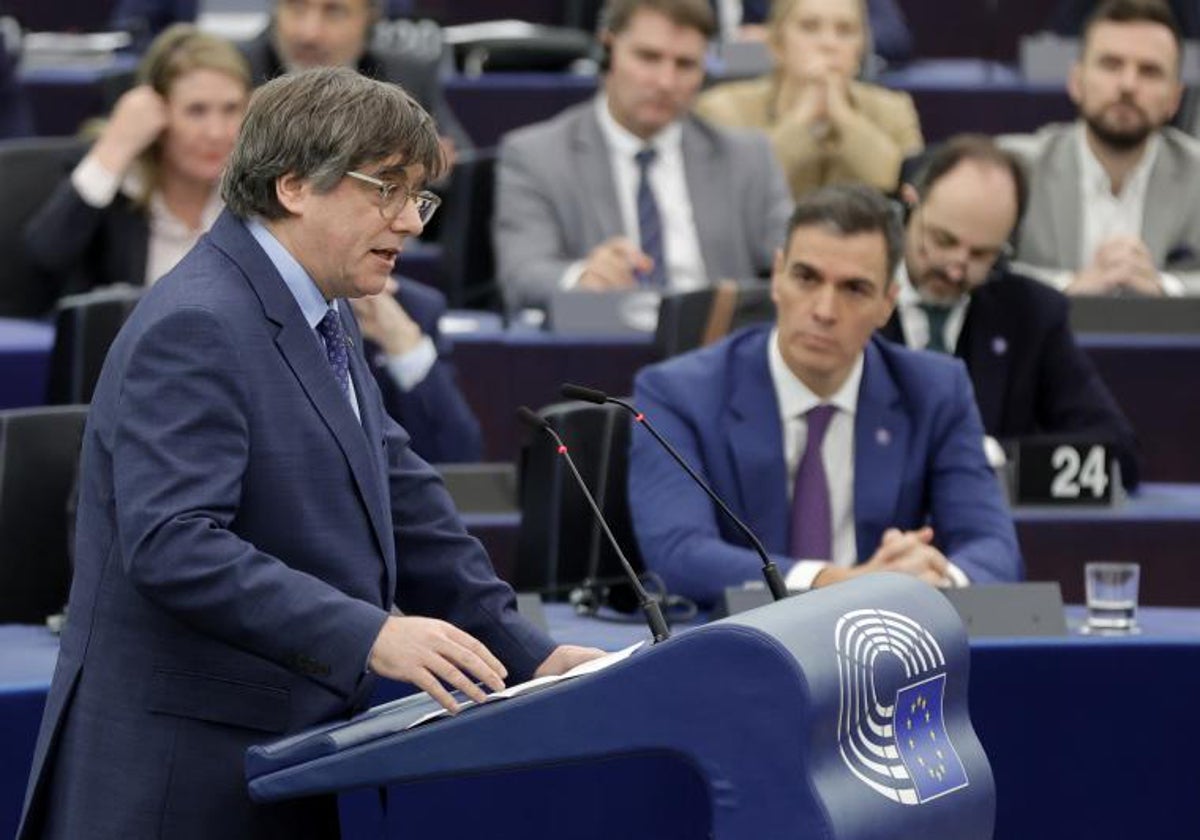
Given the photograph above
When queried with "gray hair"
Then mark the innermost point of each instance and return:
(848, 209)
(318, 125)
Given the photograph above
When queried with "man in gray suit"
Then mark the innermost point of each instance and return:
(1114, 207)
(629, 189)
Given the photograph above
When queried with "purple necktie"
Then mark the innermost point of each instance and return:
(331, 332)
(812, 520)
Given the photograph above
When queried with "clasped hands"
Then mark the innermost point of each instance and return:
(908, 552)
(1121, 264)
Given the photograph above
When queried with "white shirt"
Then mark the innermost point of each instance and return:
(1106, 214)
(915, 320)
(170, 238)
(837, 456)
(685, 263)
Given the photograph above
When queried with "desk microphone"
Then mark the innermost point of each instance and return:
(769, 570)
(654, 616)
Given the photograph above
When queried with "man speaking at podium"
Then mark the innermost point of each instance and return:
(844, 453)
(248, 513)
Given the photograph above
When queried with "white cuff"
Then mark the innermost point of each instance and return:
(1172, 286)
(95, 184)
(410, 369)
(958, 578)
(801, 576)
(570, 277)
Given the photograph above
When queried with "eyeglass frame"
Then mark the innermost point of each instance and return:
(386, 189)
(994, 255)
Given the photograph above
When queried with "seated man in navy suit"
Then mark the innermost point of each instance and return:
(957, 295)
(845, 453)
(248, 514)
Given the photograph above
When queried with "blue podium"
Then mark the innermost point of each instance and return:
(841, 713)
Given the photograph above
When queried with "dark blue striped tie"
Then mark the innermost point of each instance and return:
(650, 222)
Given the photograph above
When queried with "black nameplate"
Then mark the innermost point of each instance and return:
(1065, 472)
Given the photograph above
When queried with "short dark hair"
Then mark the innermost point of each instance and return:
(690, 14)
(941, 159)
(1135, 11)
(319, 124)
(849, 209)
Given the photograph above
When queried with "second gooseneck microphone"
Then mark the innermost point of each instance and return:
(654, 616)
(769, 570)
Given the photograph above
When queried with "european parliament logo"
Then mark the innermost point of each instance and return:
(891, 730)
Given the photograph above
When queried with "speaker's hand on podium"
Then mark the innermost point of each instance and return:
(565, 657)
(428, 652)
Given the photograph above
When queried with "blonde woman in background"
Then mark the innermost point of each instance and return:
(148, 188)
(825, 125)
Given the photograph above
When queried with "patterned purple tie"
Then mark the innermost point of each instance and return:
(812, 519)
(331, 332)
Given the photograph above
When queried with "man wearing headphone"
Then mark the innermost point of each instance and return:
(629, 189)
(958, 295)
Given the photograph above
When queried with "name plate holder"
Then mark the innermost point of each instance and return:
(1064, 472)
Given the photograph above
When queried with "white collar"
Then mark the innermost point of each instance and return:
(796, 398)
(627, 144)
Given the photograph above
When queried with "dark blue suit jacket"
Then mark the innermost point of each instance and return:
(241, 536)
(434, 413)
(1030, 376)
(918, 459)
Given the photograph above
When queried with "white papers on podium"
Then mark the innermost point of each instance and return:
(592, 666)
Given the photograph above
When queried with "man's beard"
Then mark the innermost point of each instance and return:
(946, 293)
(1120, 139)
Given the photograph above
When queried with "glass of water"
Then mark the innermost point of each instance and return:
(1112, 595)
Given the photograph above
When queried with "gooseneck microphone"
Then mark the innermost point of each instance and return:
(769, 570)
(654, 616)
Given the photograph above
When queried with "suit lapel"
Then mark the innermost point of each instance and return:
(756, 443)
(1166, 193)
(984, 346)
(1064, 197)
(301, 350)
(594, 170)
(881, 436)
(709, 196)
(372, 431)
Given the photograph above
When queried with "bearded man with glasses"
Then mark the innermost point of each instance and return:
(959, 295)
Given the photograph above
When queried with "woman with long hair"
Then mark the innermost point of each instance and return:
(149, 186)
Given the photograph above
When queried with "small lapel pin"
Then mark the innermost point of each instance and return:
(882, 436)
(999, 345)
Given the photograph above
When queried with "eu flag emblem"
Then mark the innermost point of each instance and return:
(920, 731)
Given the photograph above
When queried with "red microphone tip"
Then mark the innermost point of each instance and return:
(562, 450)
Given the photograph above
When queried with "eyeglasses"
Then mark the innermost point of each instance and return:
(939, 243)
(393, 198)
